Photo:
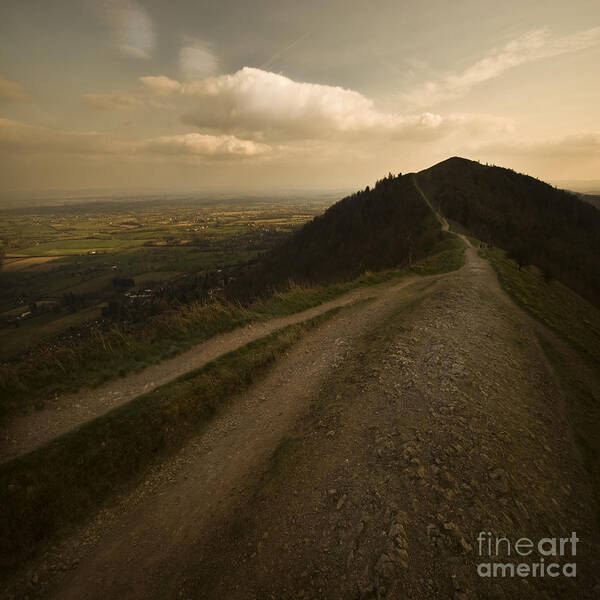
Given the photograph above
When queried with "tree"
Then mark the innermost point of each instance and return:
(536, 223)
(122, 284)
(521, 254)
(548, 269)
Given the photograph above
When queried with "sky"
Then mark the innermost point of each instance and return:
(280, 95)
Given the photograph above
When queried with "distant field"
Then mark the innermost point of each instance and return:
(80, 246)
(18, 264)
(59, 254)
(155, 276)
(105, 281)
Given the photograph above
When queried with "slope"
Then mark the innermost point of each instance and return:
(384, 227)
(364, 466)
(538, 224)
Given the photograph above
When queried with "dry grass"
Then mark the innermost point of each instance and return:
(47, 491)
(567, 313)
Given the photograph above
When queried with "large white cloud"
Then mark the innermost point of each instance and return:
(258, 104)
(252, 100)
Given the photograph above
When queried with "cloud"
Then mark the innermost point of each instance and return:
(113, 101)
(205, 145)
(257, 104)
(21, 137)
(161, 85)
(254, 100)
(532, 46)
(196, 59)
(12, 91)
(17, 137)
(132, 27)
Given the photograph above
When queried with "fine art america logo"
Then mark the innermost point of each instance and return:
(546, 557)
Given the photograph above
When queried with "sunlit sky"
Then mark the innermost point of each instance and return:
(268, 95)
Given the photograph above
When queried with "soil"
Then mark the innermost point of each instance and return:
(364, 465)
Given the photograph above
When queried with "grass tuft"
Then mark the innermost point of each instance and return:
(450, 258)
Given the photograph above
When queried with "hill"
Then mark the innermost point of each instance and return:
(537, 223)
(384, 227)
(593, 199)
(335, 453)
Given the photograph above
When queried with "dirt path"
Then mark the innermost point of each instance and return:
(442, 221)
(123, 553)
(363, 466)
(440, 425)
(70, 410)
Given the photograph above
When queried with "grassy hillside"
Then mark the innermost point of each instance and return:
(573, 317)
(537, 224)
(57, 368)
(577, 321)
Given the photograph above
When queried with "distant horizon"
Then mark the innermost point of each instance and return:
(585, 186)
(129, 94)
(582, 186)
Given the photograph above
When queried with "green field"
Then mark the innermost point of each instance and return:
(66, 247)
(58, 251)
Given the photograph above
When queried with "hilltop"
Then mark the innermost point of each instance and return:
(535, 222)
(391, 226)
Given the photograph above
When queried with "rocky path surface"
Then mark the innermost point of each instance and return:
(442, 424)
(70, 410)
(364, 466)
